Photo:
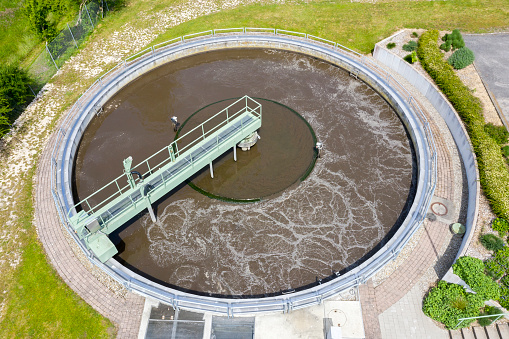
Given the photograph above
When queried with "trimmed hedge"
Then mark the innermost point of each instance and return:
(493, 172)
(497, 133)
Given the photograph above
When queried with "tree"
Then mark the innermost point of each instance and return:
(14, 85)
(37, 12)
(43, 15)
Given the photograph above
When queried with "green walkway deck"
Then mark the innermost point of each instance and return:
(103, 212)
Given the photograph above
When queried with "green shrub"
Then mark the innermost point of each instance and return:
(454, 39)
(461, 58)
(446, 46)
(415, 35)
(497, 133)
(489, 310)
(411, 58)
(391, 45)
(493, 269)
(500, 225)
(493, 171)
(471, 270)
(447, 303)
(492, 242)
(410, 46)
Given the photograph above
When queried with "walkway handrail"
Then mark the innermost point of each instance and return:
(174, 152)
(497, 316)
(286, 301)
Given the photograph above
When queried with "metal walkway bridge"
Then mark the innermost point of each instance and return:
(116, 203)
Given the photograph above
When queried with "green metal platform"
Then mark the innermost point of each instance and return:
(116, 203)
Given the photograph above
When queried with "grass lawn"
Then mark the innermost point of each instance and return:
(358, 25)
(18, 43)
(15, 38)
(39, 304)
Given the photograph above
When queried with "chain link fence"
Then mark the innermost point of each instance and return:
(60, 49)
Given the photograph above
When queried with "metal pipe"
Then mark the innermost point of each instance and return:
(140, 177)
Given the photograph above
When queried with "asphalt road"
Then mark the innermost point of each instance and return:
(492, 61)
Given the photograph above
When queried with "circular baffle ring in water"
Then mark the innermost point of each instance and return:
(283, 157)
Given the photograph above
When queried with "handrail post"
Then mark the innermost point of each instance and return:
(172, 155)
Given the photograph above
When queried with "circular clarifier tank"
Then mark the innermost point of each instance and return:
(308, 218)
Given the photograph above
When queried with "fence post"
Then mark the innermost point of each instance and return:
(102, 9)
(31, 90)
(72, 35)
(89, 18)
(106, 3)
(51, 56)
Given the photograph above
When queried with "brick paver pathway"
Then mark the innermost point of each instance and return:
(376, 300)
(126, 311)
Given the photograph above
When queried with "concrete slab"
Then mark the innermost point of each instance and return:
(347, 315)
(299, 324)
(492, 61)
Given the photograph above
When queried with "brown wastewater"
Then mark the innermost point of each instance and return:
(304, 228)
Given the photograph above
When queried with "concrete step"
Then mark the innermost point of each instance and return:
(492, 332)
(468, 333)
(480, 333)
(455, 334)
(503, 330)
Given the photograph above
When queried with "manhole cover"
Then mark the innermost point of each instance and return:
(439, 209)
(338, 317)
